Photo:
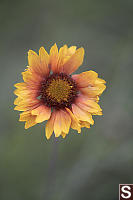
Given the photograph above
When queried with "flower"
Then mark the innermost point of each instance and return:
(50, 92)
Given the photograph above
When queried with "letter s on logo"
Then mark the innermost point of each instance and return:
(125, 189)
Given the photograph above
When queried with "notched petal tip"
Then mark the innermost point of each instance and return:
(63, 135)
(26, 125)
(43, 51)
(15, 85)
(31, 121)
(31, 52)
(82, 51)
(54, 48)
(48, 136)
(15, 92)
(55, 45)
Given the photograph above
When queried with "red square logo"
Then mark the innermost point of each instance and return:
(125, 191)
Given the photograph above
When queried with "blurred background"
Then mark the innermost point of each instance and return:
(84, 166)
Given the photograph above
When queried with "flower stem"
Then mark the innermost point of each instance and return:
(51, 175)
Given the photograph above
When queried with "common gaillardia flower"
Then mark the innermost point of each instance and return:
(50, 92)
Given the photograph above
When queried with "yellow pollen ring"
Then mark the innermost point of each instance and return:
(59, 90)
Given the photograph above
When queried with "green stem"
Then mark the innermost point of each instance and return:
(51, 175)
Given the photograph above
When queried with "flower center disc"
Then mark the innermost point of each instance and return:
(59, 90)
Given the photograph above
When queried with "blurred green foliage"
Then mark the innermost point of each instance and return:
(89, 165)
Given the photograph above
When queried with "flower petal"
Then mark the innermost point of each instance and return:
(20, 85)
(62, 55)
(25, 94)
(85, 124)
(27, 104)
(74, 121)
(39, 64)
(71, 50)
(43, 113)
(24, 116)
(30, 122)
(87, 104)
(50, 126)
(66, 121)
(99, 81)
(82, 114)
(57, 60)
(29, 118)
(74, 62)
(44, 61)
(34, 61)
(63, 134)
(85, 78)
(62, 123)
(32, 78)
(93, 91)
(17, 100)
(53, 58)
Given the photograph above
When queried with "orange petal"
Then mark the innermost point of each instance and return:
(29, 118)
(37, 63)
(44, 61)
(53, 58)
(74, 62)
(89, 105)
(27, 76)
(26, 101)
(34, 61)
(25, 86)
(81, 114)
(57, 124)
(31, 77)
(68, 52)
(87, 108)
(25, 116)
(93, 91)
(98, 113)
(26, 93)
(43, 113)
(62, 55)
(74, 121)
(49, 128)
(20, 85)
(17, 100)
(99, 81)
(62, 123)
(66, 121)
(71, 50)
(26, 106)
(63, 134)
(85, 78)
(25, 89)
(57, 60)
(85, 124)
(30, 122)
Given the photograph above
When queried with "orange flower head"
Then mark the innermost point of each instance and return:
(50, 92)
